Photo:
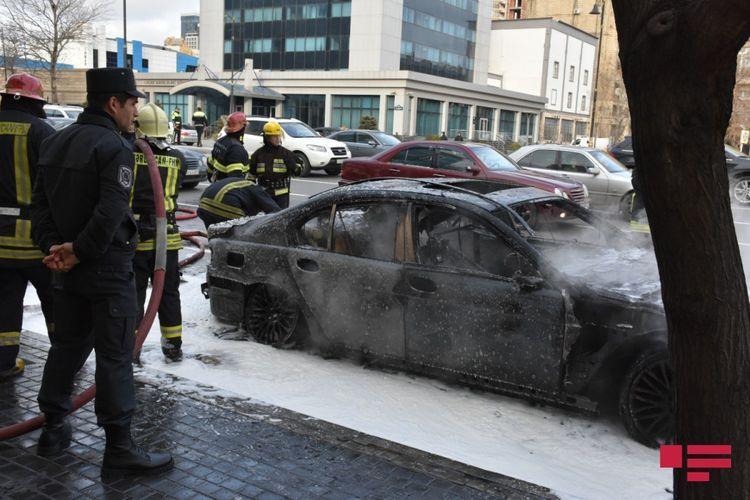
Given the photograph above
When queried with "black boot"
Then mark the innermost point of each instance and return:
(123, 457)
(55, 436)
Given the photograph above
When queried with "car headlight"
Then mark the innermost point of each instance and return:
(315, 147)
(204, 161)
(558, 192)
(585, 190)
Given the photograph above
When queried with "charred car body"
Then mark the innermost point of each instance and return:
(447, 279)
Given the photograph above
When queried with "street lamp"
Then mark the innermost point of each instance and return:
(231, 81)
(125, 31)
(597, 10)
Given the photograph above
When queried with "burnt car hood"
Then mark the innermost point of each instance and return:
(540, 180)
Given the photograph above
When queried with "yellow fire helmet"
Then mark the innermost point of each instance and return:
(272, 128)
(152, 122)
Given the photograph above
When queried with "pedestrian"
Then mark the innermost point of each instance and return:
(82, 221)
(153, 127)
(233, 198)
(459, 137)
(272, 165)
(177, 126)
(443, 137)
(22, 131)
(199, 122)
(229, 157)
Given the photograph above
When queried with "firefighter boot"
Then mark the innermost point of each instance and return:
(55, 437)
(13, 371)
(172, 349)
(122, 457)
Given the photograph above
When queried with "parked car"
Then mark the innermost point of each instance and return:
(188, 134)
(197, 167)
(56, 111)
(608, 181)
(60, 123)
(468, 160)
(446, 279)
(623, 152)
(327, 131)
(312, 151)
(365, 142)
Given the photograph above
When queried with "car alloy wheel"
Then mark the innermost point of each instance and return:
(741, 191)
(271, 317)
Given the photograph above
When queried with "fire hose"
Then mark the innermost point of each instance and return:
(157, 283)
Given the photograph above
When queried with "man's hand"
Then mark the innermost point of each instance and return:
(61, 258)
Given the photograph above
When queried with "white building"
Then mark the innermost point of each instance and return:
(552, 59)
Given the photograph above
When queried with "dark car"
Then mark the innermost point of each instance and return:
(365, 143)
(467, 160)
(623, 152)
(197, 167)
(447, 279)
(738, 169)
(326, 131)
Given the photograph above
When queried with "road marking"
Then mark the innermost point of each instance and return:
(743, 223)
(740, 208)
(317, 182)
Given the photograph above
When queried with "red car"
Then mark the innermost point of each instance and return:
(456, 159)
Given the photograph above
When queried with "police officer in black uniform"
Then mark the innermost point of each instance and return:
(22, 131)
(200, 122)
(81, 219)
(232, 198)
(229, 157)
(272, 165)
(153, 127)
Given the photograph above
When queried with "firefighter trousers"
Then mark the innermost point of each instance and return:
(95, 308)
(170, 314)
(13, 283)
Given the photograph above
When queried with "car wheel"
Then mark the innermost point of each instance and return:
(740, 191)
(625, 204)
(304, 164)
(189, 185)
(647, 399)
(333, 170)
(272, 318)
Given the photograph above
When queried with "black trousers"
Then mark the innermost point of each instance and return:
(282, 201)
(13, 283)
(177, 136)
(170, 314)
(95, 308)
(199, 131)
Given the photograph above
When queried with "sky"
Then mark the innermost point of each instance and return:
(149, 21)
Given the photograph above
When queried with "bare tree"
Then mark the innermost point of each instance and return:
(12, 48)
(679, 62)
(48, 26)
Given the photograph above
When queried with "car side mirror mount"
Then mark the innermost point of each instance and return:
(592, 170)
(473, 169)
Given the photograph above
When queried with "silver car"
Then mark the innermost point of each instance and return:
(607, 180)
(365, 143)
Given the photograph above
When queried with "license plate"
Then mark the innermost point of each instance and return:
(193, 171)
(339, 161)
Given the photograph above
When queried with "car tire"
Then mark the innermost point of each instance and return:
(189, 185)
(333, 170)
(647, 399)
(272, 318)
(304, 164)
(625, 203)
(739, 191)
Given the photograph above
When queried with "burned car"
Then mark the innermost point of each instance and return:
(459, 280)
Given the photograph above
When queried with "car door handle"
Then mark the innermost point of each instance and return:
(439, 175)
(422, 285)
(308, 265)
(394, 170)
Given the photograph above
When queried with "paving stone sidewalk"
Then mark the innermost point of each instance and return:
(226, 447)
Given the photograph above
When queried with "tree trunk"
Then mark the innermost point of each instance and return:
(679, 66)
(53, 79)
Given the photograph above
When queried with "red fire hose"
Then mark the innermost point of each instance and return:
(153, 304)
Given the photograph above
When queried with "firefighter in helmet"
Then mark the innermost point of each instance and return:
(153, 127)
(229, 157)
(272, 165)
(22, 131)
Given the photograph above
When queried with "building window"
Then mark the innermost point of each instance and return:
(550, 129)
(566, 131)
(572, 74)
(555, 69)
(169, 102)
(583, 103)
(585, 77)
(310, 44)
(111, 59)
(263, 14)
(458, 120)
(570, 100)
(582, 129)
(528, 124)
(227, 46)
(348, 110)
(260, 45)
(96, 58)
(483, 123)
(307, 108)
(307, 11)
(341, 9)
(390, 103)
(507, 125)
(553, 98)
(428, 117)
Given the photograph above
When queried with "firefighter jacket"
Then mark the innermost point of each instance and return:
(172, 168)
(273, 166)
(232, 198)
(228, 159)
(176, 119)
(21, 135)
(199, 119)
(82, 192)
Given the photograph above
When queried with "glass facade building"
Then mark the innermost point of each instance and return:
(428, 117)
(288, 34)
(348, 110)
(458, 120)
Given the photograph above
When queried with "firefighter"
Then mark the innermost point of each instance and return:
(232, 198)
(82, 221)
(22, 131)
(229, 157)
(272, 165)
(177, 125)
(200, 122)
(153, 127)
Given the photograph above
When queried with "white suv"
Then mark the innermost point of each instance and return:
(55, 111)
(313, 151)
